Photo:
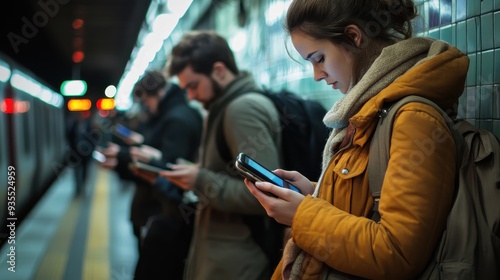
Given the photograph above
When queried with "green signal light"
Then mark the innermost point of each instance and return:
(73, 88)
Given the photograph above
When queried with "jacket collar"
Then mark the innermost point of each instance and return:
(440, 79)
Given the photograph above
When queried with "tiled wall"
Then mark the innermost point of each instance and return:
(471, 25)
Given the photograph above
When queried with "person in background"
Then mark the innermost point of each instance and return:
(78, 131)
(173, 130)
(222, 246)
(365, 49)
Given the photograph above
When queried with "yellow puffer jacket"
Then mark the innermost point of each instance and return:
(417, 189)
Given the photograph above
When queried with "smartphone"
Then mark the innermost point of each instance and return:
(100, 157)
(122, 130)
(149, 168)
(254, 171)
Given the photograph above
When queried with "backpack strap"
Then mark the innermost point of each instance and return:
(220, 139)
(381, 142)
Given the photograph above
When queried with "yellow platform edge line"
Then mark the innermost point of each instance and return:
(96, 261)
(56, 257)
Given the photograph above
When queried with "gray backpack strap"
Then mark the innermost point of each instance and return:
(381, 142)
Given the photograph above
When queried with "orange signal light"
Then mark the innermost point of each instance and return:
(76, 105)
(105, 104)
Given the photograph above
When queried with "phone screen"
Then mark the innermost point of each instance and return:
(256, 170)
(148, 168)
(123, 130)
(271, 176)
(98, 156)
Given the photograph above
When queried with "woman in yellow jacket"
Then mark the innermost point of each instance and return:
(366, 50)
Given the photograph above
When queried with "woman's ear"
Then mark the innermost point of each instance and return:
(355, 34)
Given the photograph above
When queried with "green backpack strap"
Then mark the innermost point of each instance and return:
(381, 142)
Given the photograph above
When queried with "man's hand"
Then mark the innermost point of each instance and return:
(111, 151)
(182, 175)
(145, 153)
(147, 176)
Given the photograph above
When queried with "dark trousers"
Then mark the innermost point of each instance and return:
(164, 247)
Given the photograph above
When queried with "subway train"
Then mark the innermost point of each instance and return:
(32, 146)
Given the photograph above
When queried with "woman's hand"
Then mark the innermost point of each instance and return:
(297, 179)
(283, 206)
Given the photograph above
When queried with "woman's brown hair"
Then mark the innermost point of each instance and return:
(382, 22)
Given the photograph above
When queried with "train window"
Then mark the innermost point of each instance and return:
(45, 126)
(21, 122)
(27, 121)
(50, 128)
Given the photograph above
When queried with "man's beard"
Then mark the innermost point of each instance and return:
(217, 90)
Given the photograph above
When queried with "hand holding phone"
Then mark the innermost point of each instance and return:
(129, 136)
(145, 153)
(100, 157)
(254, 171)
(149, 168)
(122, 130)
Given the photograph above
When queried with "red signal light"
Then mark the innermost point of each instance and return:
(11, 106)
(77, 23)
(8, 106)
(78, 56)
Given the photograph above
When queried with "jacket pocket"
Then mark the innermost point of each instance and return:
(351, 163)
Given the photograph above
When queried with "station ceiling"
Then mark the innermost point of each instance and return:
(39, 35)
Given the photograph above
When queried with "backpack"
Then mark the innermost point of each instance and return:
(303, 137)
(470, 245)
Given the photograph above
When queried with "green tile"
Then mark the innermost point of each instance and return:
(445, 11)
(497, 4)
(474, 122)
(486, 124)
(496, 29)
(471, 75)
(486, 74)
(496, 67)
(434, 33)
(433, 14)
(454, 34)
(473, 8)
(486, 102)
(462, 9)
(486, 6)
(496, 102)
(470, 103)
(477, 103)
(471, 36)
(487, 31)
(479, 63)
(462, 36)
(462, 105)
(445, 34)
(496, 128)
(419, 23)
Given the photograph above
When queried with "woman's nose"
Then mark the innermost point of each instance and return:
(319, 75)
